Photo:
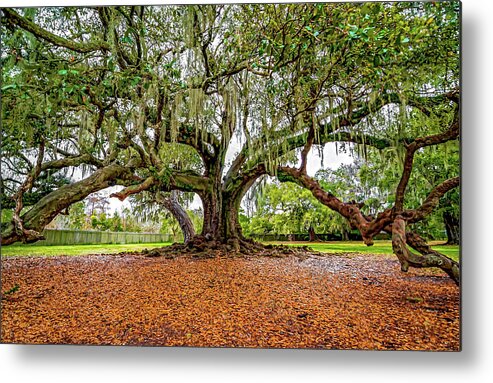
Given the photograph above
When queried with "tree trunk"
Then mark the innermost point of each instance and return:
(312, 234)
(186, 225)
(452, 227)
(221, 220)
(345, 235)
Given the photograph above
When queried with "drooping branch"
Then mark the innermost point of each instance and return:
(387, 221)
(368, 226)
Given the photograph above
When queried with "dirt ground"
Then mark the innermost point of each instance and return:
(333, 302)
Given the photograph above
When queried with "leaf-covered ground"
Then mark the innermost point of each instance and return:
(336, 301)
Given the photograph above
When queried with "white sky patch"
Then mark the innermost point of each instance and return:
(332, 159)
(115, 203)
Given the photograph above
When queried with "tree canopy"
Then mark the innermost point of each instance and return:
(238, 92)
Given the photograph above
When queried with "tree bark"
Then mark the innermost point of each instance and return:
(221, 220)
(186, 225)
(428, 257)
(452, 228)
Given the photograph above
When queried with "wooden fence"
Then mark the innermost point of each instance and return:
(83, 237)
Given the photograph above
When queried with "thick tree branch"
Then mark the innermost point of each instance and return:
(48, 207)
(179, 213)
(135, 189)
(72, 161)
(450, 134)
(176, 180)
(431, 202)
(429, 258)
(39, 32)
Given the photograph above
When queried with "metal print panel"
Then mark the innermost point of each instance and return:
(236, 175)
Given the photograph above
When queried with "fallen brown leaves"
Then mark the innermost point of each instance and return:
(342, 302)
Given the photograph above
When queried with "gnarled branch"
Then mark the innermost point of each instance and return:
(36, 30)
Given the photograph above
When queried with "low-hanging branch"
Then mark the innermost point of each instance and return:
(431, 202)
(48, 207)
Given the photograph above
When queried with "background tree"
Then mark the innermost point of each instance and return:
(288, 209)
(77, 216)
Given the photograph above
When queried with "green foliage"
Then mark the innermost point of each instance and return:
(77, 216)
(100, 222)
(285, 208)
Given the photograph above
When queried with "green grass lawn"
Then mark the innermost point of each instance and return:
(380, 247)
(40, 250)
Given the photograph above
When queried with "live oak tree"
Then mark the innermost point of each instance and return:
(250, 89)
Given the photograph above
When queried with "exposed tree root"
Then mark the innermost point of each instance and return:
(201, 247)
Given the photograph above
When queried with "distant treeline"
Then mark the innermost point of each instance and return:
(353, 236)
